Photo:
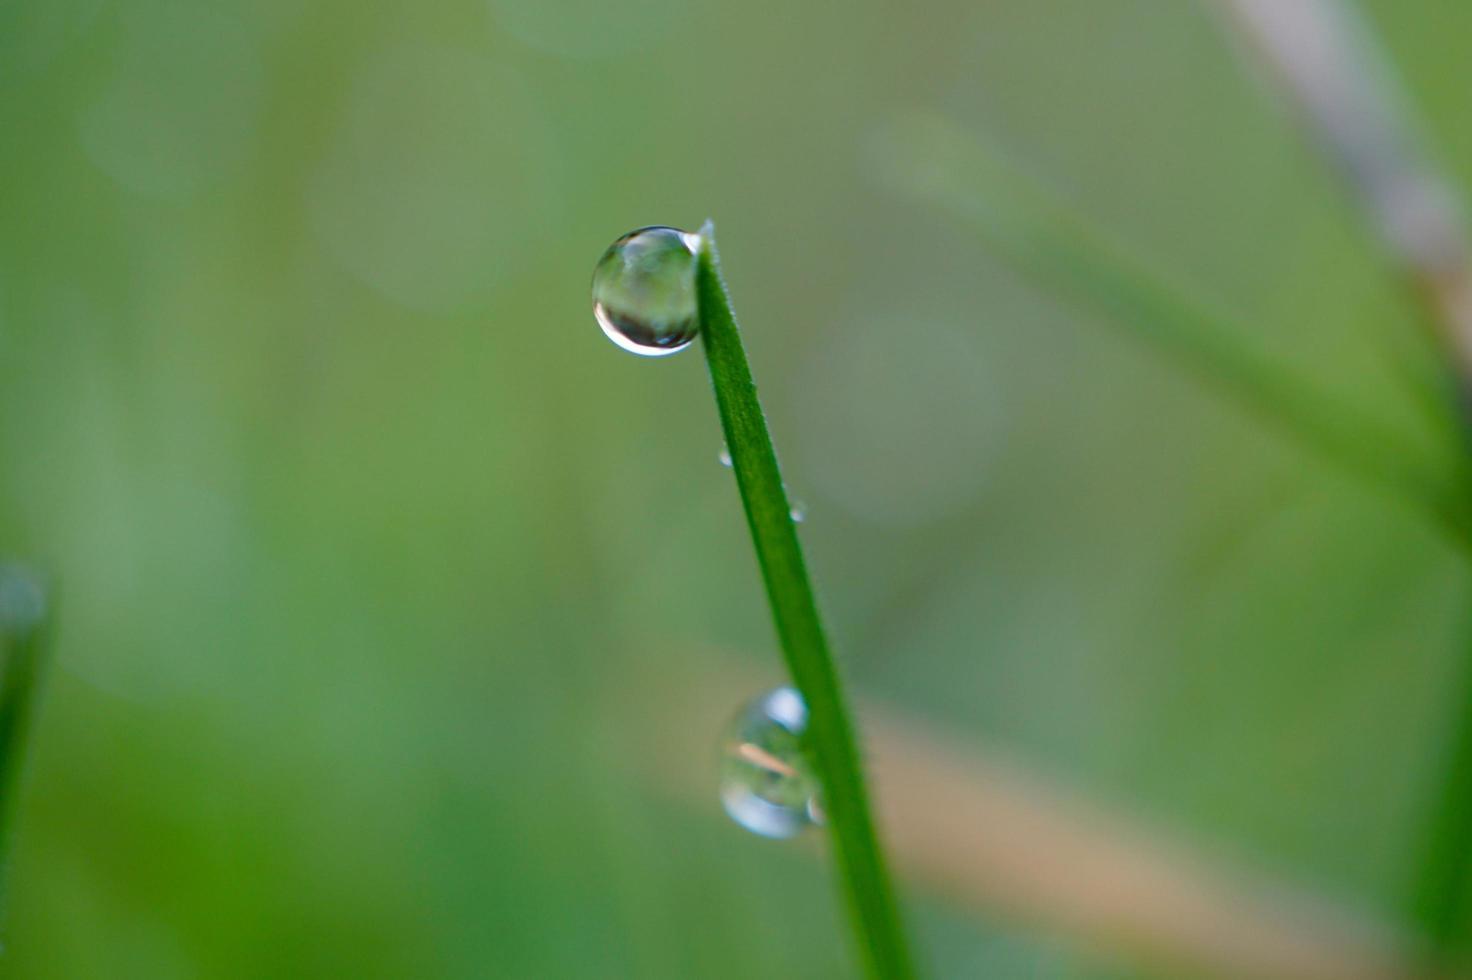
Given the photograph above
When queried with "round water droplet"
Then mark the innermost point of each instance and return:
(644, 291)
(798, 512)
(725, 458)
(767, 784)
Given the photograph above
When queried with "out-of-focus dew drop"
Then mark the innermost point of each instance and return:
(420, 193)
(767, 784)
(900, 427)
(179, 109)
(590, 30)
(22, 600)
(644, 291)
(724, 458)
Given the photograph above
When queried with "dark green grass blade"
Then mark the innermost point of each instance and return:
(1044, 239)
(1442, 900)
(23, 630)
(865, 881)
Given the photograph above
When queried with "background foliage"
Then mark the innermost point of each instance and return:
(376, 556)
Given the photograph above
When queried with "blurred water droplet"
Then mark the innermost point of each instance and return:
(900, 431)
(725, 458)
(644, 291)
(798, 512)
(767, 785)
(421, 193)
(588, 29)
(179, 109)
(22, 600)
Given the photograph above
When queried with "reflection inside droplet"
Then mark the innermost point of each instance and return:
(767, 784)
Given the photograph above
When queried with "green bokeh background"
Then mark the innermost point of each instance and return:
(376, 558)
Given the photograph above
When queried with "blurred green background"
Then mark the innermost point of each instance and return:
(376, 559)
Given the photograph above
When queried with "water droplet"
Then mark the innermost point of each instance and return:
(798, 512)
(767, 785)
(644, 291)
(725, 458)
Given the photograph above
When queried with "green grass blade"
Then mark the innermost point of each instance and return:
(1442, 899)
(1044, 239)
(865, 882)
(1331, 67)
(23, 629)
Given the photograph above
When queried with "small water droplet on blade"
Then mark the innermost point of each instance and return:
(798, 512)
(644, 291)
(725, 458)
(767, 784)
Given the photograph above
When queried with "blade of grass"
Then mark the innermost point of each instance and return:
(1044, 239)
(1441, 896)
(864, 878)
(23, 622)
(1327, 64)
(975, 828)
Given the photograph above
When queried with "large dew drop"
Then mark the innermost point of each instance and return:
(767, 784)
(644, 291)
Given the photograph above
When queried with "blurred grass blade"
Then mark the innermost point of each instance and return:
(933, 160)
(1327, 64)
(865, 882)
(1442, 896)
(1004, 842)
(23, 628)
